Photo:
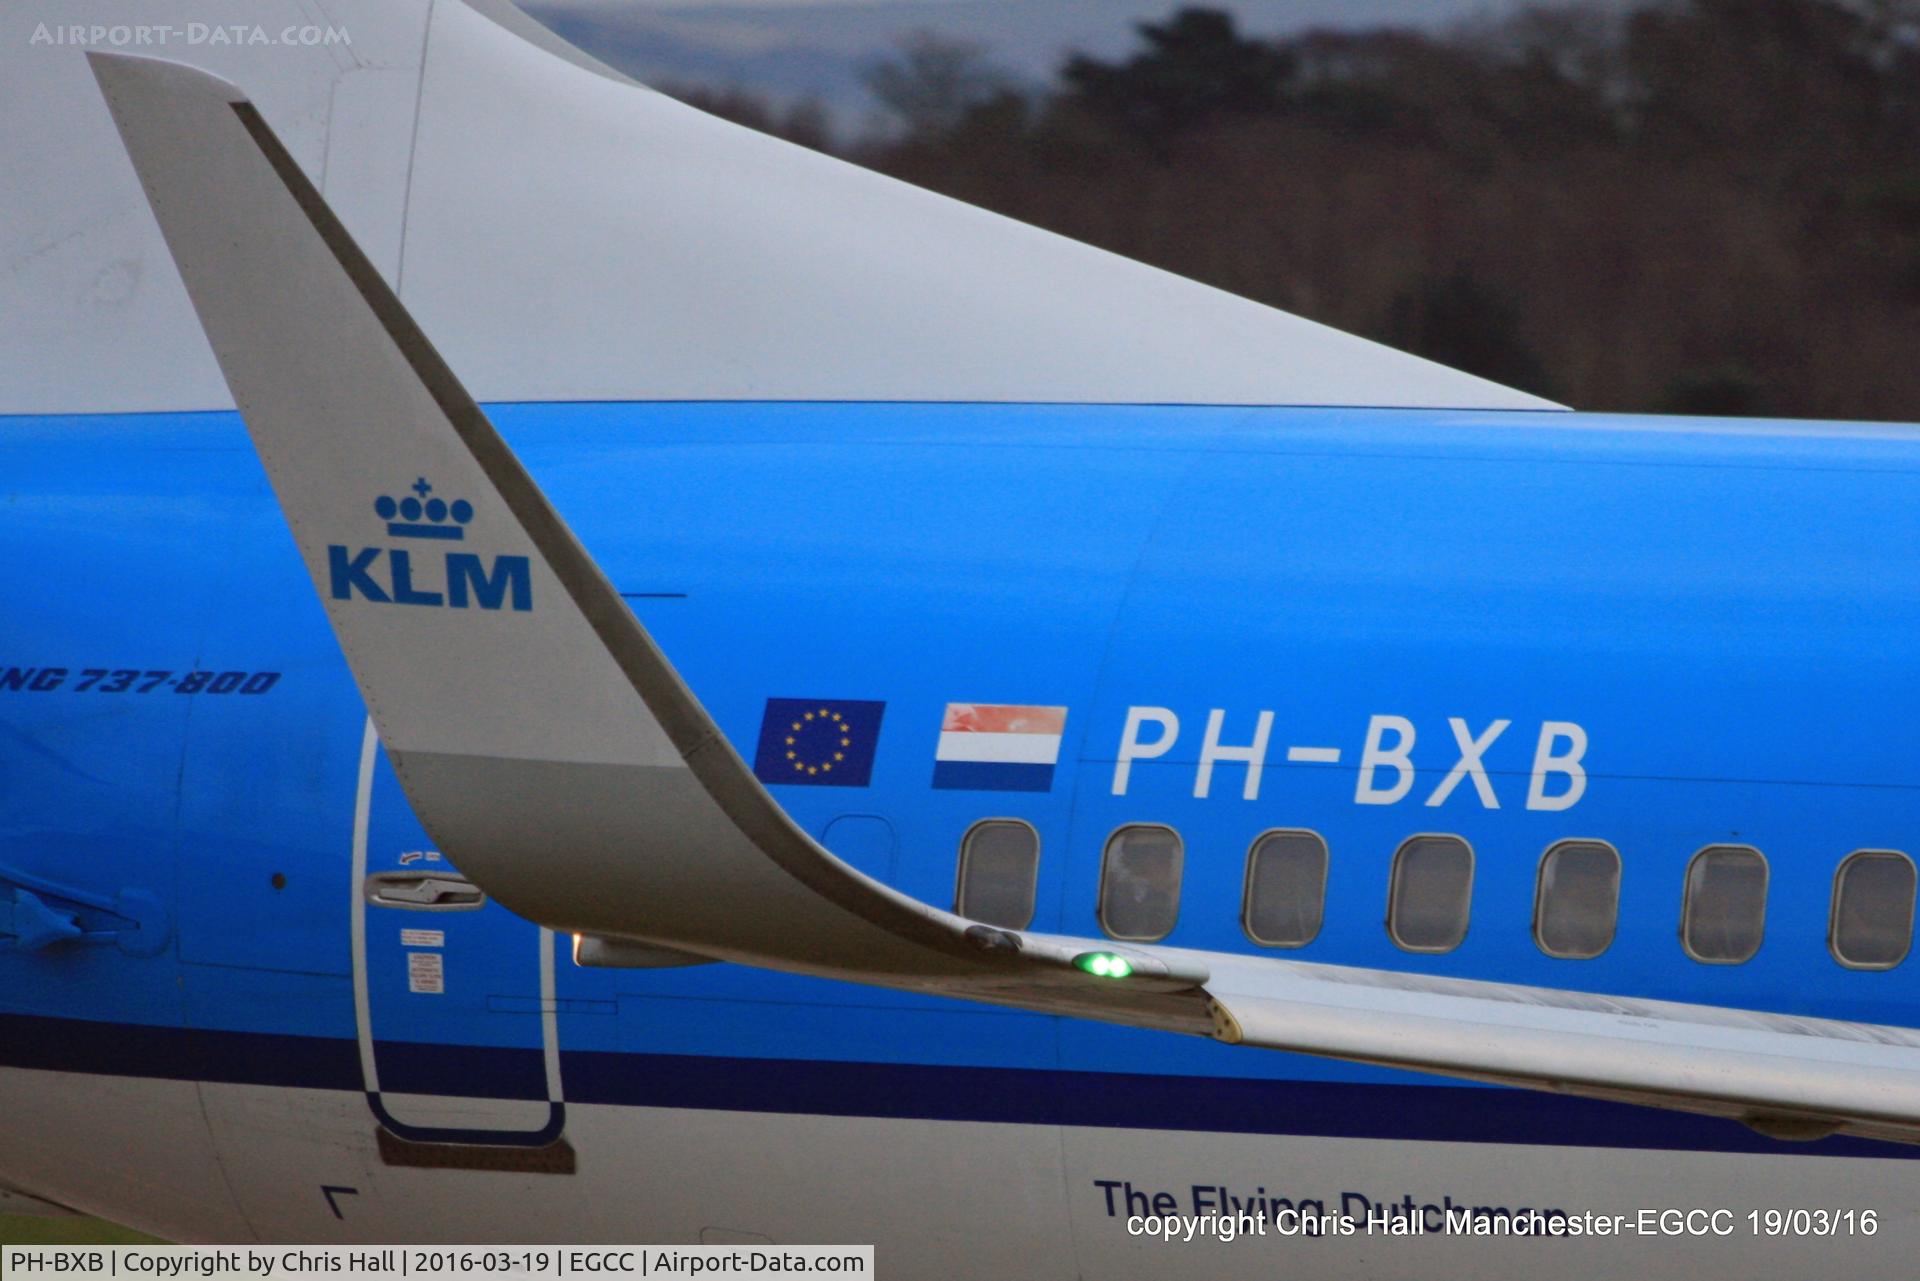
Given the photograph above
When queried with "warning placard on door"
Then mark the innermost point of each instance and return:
(426, 972)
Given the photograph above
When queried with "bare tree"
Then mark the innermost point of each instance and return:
(932, 81)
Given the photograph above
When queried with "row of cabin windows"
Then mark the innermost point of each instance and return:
(1576, 896)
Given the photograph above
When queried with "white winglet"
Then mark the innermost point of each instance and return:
(542, 738)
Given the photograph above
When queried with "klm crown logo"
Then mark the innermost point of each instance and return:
(435, 510)
(465, 580)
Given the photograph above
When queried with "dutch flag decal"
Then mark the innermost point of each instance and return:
(989, 747)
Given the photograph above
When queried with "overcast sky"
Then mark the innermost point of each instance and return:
(604, 5)
(1362, 11)
(790, 50)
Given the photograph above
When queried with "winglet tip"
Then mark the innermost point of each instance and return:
(117, 71)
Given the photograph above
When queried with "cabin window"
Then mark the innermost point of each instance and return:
(1724, 913)
(1872, 925)
(1140, 882)
(1431, 893)
(1286, 889)
(999, 865)
(1577, 901)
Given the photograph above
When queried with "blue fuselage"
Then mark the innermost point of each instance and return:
(1730, 613)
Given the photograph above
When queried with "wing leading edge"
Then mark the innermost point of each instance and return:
(590, 791)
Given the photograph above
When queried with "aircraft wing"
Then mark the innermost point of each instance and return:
(1785, 1076)
(554, 754)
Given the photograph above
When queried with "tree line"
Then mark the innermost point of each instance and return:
(1689, 206)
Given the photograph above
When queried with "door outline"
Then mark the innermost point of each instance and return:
(362, 1005)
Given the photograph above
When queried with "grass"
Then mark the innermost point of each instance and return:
(20, 1230)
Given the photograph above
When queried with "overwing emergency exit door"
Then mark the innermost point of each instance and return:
(454, 994)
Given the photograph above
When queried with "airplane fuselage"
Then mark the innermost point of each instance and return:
(1513, 629)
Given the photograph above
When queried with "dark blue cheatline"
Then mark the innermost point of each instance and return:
(932, 1092)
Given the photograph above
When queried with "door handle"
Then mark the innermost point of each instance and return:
(424, 892)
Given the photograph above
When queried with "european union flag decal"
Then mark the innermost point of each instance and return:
(822, 742)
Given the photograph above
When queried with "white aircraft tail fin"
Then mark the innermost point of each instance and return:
(567, 235)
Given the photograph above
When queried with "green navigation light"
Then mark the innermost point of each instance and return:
(1104, 965)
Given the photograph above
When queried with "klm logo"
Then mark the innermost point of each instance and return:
(449, 579)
